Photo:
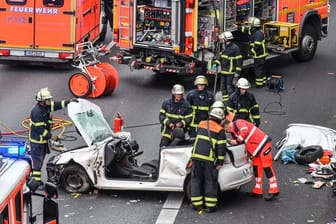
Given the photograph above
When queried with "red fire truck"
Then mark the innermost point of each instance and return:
(181, 36)
(18, 189)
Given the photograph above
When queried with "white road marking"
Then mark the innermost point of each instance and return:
(170, 208)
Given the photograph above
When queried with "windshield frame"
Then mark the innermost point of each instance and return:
(89, 121)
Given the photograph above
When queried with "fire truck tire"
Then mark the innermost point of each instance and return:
(103, 23)
(99, 81)
(309, 154)
(308, 44)
(75, 180)
(103, 31)
(80, 85)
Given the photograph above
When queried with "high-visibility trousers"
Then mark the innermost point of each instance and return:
(261, 163)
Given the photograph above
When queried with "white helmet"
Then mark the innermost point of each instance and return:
(254, 22)
(218, 104)
(243, 83)
(177, 89)
(226, 36)
(217, 113)
(200, 80)
(43, 94)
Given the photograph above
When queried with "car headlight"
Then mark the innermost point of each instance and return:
(54, 159)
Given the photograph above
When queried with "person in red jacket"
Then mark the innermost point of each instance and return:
(258, 144)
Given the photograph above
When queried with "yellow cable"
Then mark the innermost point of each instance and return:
(57, 123)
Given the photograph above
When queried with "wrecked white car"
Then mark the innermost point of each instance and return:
(109, 160)
(309, 141)
(310, 145)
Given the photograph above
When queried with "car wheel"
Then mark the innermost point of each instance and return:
(309, 154)
(308, 44)
(74, 179)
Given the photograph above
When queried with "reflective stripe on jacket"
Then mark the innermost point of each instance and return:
(255, 139)
(231, 59)
(174, 112)
(41, 122)
(200, 102)
(210, 143)
(258, 44)
(244, 107)
(257, 41)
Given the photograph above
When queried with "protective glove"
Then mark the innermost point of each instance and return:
(215, 63)
(171, 125)
(179, 125)
(235, 80)
(257, 123)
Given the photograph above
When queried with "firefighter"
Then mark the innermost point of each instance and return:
(40, 128)
(230, 60)
(258, 49)
(175, 113)
(200, 100)
(207, 158)
(258, 145)
(228, 114)
(243, 104)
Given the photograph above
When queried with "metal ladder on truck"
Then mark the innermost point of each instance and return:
(125, 11)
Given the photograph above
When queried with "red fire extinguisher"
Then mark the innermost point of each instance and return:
(118, 123)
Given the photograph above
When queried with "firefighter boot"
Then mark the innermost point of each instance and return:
(257, 190)
(210, 204)
(196, 203)
(273, 189)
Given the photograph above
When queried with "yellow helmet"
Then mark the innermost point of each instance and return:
(43, 94)
(200, 80)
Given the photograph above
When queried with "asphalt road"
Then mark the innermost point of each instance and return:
(309, 97)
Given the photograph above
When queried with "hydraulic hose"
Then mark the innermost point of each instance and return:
(57, 123)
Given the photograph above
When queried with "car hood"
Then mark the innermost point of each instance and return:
(89, 121)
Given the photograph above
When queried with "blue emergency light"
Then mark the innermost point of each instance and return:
(12, 149)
